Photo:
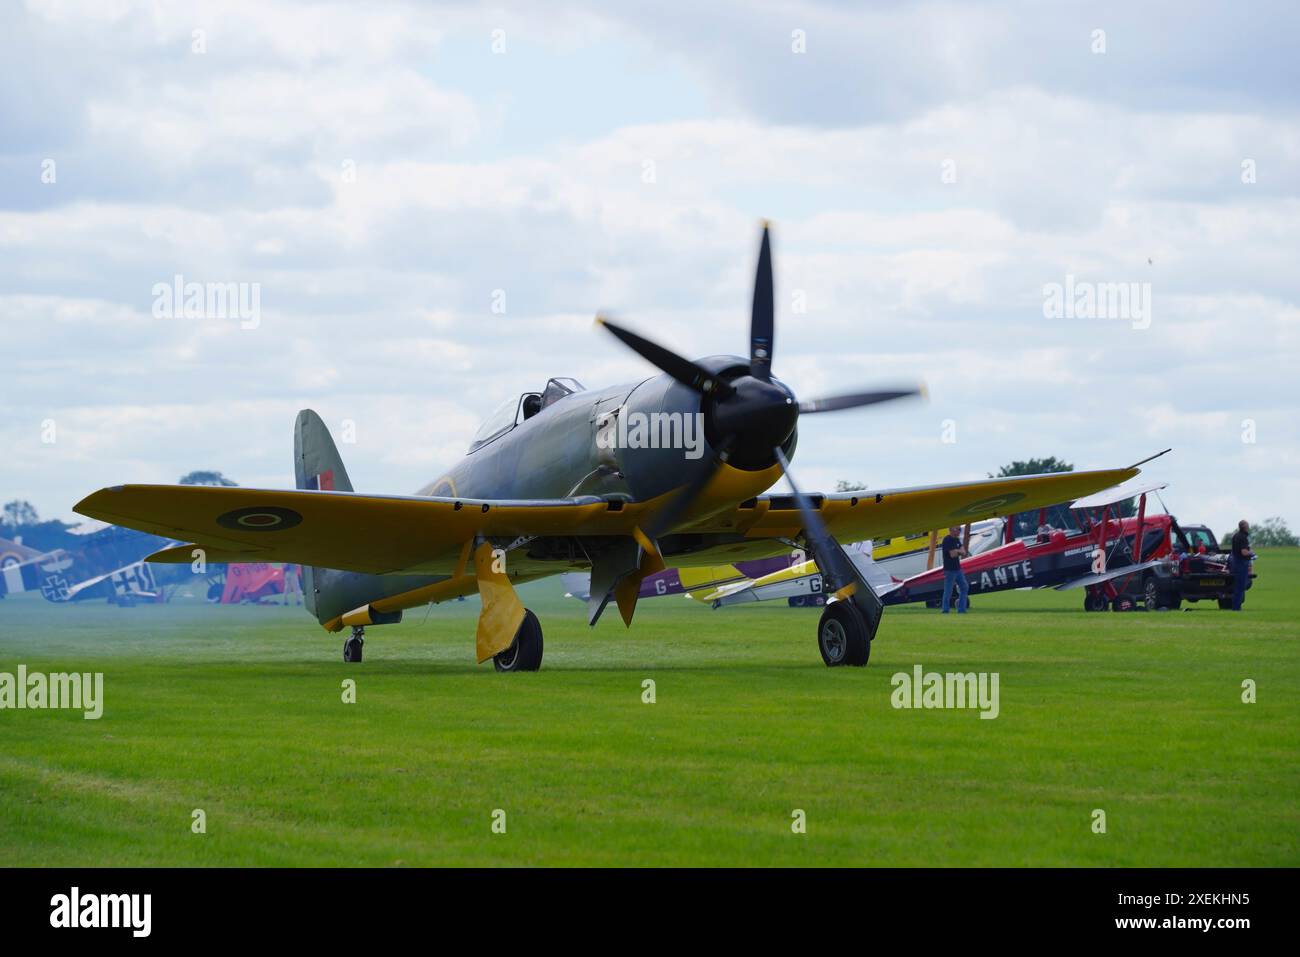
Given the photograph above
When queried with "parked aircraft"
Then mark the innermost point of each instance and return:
(559, 481)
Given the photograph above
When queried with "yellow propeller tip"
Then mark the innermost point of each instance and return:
(925, 392)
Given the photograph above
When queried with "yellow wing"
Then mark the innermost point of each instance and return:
(390, 534)
(855, 516)
(365, 533)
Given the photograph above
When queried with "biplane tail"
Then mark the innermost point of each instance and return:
(318, 466)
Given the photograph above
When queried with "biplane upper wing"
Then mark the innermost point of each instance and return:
(391, 534)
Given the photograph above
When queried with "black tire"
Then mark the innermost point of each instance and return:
(352, 649)
(525, 652)
(842, 636)
(1095, 602)
(1151, 594)
(1225, 604)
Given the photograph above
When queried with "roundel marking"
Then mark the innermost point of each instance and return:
(260, 518)
(996, 503)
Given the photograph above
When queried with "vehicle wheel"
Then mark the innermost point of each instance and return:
(1151, 594)
(1225, 604)
(842, 636)
(1095, 602)
(525, 652)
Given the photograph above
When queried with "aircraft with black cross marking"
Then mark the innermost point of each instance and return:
(555, 484)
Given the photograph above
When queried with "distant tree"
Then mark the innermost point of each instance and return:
(19, 513)
(1272, 531)
(201, 477)
(845, 486)
(1033, 467)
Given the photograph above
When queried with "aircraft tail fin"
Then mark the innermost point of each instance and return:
(316, 461)
(316, 466)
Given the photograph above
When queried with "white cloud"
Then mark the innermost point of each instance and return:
(376, 293)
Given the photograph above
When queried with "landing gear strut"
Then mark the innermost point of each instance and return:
(525, 652)
(352, 647)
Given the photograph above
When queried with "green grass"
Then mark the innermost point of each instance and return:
(237, 711)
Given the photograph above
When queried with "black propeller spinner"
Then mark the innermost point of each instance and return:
(748, 417)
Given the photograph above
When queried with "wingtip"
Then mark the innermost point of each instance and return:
(87, 505)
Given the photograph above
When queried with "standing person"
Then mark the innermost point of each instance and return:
(953, 553)
(1241, 558)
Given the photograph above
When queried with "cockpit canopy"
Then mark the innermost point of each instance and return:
(515, 410)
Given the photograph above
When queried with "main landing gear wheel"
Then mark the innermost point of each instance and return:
(842, 636)
(525, 652)
(1095, 601)
(352, 647)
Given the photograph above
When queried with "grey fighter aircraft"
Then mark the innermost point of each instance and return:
(569, 479)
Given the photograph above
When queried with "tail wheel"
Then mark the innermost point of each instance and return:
(525, 652)
(842, 636)
(352, 647)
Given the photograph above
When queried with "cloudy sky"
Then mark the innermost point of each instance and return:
(387, 173)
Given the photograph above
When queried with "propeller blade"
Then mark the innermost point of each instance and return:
(825, 550)
(853, 400)
(683, 370)
(762, 324)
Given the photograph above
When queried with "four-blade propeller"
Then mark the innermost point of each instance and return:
(749, 416)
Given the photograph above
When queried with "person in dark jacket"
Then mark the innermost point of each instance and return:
(1242, 554)
(953, 553)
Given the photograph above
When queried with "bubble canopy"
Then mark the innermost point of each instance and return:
(516, 409)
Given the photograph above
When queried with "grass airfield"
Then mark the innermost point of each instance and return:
(238, 711)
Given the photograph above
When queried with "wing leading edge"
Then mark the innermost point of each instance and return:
(388, 534)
